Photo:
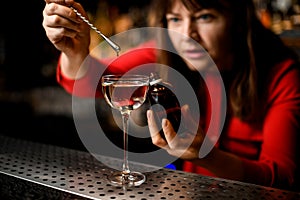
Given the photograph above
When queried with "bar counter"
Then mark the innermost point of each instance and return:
(32, 170)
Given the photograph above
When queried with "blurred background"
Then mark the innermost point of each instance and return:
(33, 106)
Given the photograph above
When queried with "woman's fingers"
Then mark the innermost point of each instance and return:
(186, 145)
(62, 2)
(169, 132)
(188, 120)
(60, 15)
(154, 131)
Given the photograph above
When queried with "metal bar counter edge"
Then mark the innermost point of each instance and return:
(32, 170)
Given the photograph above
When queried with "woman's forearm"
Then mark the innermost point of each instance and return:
(72, 66)
(223, 164)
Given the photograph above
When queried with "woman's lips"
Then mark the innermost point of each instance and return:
(194, 53)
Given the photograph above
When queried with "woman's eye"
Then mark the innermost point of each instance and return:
(173, 19)
(205, 17)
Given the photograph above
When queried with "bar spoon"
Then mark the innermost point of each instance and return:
(113, 45)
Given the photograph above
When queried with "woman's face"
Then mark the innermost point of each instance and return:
(206, 27)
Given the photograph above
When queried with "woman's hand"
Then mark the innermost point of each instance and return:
(182, 145)
(187, 146)
(67, 32)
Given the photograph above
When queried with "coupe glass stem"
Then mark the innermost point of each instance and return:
(125, 118)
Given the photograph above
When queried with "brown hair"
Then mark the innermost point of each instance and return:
(257, 50)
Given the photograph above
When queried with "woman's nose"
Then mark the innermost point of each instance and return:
(191, 29)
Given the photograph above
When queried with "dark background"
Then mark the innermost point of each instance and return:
(30, 98)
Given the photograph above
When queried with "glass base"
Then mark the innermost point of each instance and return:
(124, 179)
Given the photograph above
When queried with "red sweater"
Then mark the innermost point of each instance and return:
(268, 149)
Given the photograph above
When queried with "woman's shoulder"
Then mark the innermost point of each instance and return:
(284, 67)
(284, 80)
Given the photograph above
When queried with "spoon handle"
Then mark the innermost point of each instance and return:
(110, 42)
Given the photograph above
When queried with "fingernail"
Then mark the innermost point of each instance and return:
(148, 114)
(164, 122)
(185, 107)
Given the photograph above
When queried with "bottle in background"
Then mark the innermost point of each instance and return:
(164, 102)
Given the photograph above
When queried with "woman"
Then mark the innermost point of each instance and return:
(261, 76)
